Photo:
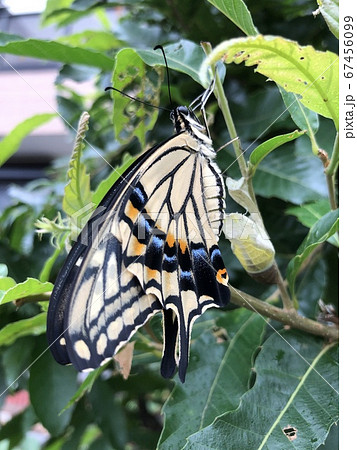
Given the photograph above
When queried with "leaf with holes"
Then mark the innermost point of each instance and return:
(309, 73)
(295, 395)
(134, 119)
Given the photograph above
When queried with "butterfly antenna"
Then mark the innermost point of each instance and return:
(111, 88)
(167, 71)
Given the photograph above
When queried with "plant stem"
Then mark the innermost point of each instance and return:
(331, 172)
(285, 297)
(289, 317)
(330, 180)
(224, 107)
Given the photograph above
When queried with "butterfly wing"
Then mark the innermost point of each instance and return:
(155, 248)
(62, 297)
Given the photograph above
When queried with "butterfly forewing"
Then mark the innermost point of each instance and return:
(154, 248)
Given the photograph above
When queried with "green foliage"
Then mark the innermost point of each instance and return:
(215, 380)
(291, 371)
(53, 385)
(238, 12)
(33, 326)
(11, 143)
(246, 380)
(53, 51)
(26, 289)
(263, 150)
(294, 176)
(320, 232)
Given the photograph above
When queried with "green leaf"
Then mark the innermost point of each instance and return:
(109, 414)
(53, 7)
(311, 288)
(108, 182)
(296, 387)
(33, 326)
(238, 13)
(28, 288)
(77, 200)
(216, 378)
(47, 267)
(130, 76)
(12, 141)
(6, 283)
(86, 386)
(330, 12)
(263, 150)
(324, 228)
(101, 41)
(51, 386)
(53, 51)
(304, 118)
(184, 56)
(310, 213)
(17, 357)
(293, 175)
(309, 73)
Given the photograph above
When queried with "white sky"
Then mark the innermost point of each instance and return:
(24, 6)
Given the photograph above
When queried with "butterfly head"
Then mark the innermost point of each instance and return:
(184, 119)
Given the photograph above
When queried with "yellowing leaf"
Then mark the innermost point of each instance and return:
(311, 74)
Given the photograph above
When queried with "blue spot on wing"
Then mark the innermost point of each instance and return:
(185, 274)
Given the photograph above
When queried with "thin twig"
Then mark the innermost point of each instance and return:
(288, 317)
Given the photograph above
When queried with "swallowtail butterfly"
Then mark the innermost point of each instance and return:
(151, 246)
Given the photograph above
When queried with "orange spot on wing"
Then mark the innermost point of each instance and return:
(131, 211)
(137, 247)
(222, 276)
(170, 239)
(152, 274)
(183, 246)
